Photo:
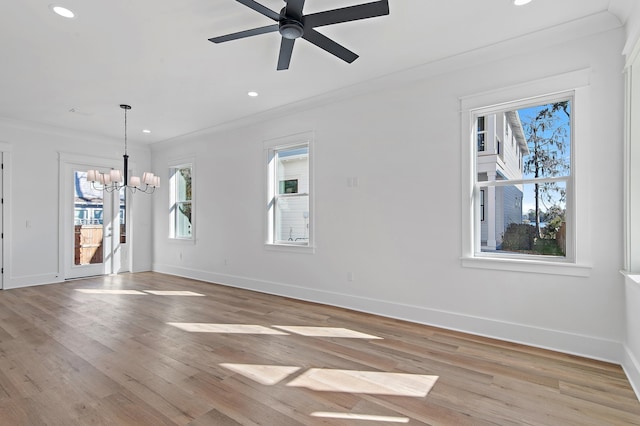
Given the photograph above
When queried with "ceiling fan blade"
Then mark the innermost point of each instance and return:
(260, 9)
(329, 45)
(346, 14)
(294, 8)
(286, 49)
(246, 33)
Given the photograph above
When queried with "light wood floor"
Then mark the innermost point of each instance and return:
(151, 349)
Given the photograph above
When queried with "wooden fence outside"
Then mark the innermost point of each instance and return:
(88, 244)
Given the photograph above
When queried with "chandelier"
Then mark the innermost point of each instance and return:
(115, 180)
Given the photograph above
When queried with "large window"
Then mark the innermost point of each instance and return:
(534, 193)
(288, 193)
(181, 200)
(523, 207)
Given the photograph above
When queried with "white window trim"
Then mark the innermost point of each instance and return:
(176, 164)
(579, 262)
(631, 160)
(299, 139)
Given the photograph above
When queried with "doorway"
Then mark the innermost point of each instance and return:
(94, 225)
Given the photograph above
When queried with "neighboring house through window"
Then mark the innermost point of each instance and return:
(498, 162)
(289, 183)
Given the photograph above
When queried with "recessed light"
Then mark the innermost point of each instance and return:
(521, 2)
(253, 94)
(146, 131)
(62, 11)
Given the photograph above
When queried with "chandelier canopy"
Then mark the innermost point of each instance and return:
(115, 180)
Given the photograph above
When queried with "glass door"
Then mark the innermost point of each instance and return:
(94, 226)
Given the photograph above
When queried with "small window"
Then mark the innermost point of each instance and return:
(289, 218)
(181, 209)
(482, 205)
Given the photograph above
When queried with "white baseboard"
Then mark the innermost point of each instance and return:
(571, 343)
(31, 280)
(631, 367)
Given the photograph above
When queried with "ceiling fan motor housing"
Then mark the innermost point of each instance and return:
(290, 28)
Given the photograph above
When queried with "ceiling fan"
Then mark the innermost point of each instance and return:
(293, 24)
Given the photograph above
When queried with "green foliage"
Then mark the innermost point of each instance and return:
(522, 238)
(531, 215)
(519, 237)
(185, 209)
(186, 175)
(547, 246)
(554, 217)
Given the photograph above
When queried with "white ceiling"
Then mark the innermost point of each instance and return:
(155, 55)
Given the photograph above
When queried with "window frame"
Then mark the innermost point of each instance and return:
(173, 191)
(271, 148)
(573, 85)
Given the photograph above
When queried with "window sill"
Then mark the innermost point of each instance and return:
(182, 240)
(634, 277)
(527, 265)
(290, 248)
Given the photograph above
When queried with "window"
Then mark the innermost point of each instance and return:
(526, 210)
(289, 218)
(519, 159)
(289, 186)
(181, 199)
(535, 214)
(481, 133)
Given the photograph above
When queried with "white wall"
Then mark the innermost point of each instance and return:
(397, 232)
(32, 249)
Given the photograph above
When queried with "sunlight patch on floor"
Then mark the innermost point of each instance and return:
(263, 374)
(365, 417)
(172, 293)
(138, 292)
(195, 327)
(348, 381)
(368, 382)
(326, 332)
(106, 291)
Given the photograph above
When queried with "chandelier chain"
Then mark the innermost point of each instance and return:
(125, 131)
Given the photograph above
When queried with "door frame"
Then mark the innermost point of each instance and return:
(118, 255)
(5, 215)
